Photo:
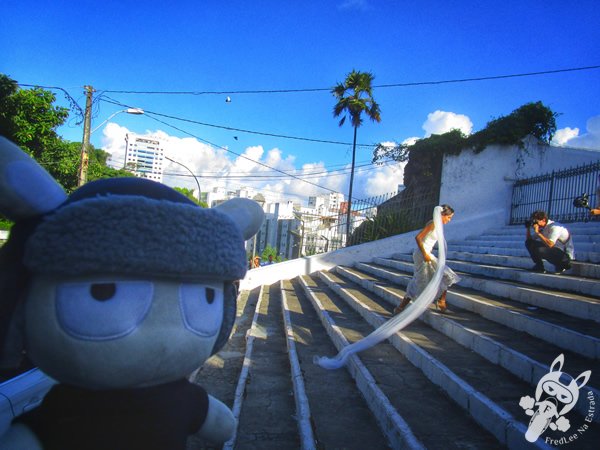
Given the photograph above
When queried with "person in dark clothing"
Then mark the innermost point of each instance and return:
(550, 241)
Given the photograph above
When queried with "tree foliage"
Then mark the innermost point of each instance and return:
(189, 193)
(355, 98)
(270, 251)
(425, 156)
(29, 118)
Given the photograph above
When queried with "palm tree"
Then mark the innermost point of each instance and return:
(355, 96)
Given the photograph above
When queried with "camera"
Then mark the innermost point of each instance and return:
(583, 201)
(528, 223)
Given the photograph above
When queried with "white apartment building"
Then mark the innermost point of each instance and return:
(326, 204)
(144, 156)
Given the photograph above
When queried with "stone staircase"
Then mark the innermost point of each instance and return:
(451, 380)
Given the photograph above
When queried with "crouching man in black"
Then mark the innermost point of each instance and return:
(550, 241)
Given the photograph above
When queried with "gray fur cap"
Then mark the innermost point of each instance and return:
(134, 235)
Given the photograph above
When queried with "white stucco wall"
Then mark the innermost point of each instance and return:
(479, 186)
(345, 257)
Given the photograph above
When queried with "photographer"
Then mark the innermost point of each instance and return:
(550, 241)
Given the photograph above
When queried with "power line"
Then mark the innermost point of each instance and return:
(315, 174)
(266, 177)
(196, 122)
(238, 154)
(416, 83)
(72, 102)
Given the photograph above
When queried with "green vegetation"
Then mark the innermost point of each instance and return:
(426, 155)
(29, 118)
(189, 193)
(270, 251)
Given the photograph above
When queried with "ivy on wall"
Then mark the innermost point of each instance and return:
(425, 156)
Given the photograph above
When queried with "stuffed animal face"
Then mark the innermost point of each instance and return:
(116, 332)
(124, 283)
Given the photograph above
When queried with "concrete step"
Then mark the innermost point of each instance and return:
(581, 228)
(579, 336)
(309, 338)
(579, 269)
(480, 388)
(267, 416)
(584, 247)
(524, 356)
(573, 305)
(393, 380)
(518, 251)
(577, 238)
(563, 282)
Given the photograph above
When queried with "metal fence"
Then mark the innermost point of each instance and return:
(371, 219)
(554, 193)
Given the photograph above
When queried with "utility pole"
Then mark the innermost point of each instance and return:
(85, 146)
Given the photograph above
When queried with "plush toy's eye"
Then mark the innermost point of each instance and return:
(103, 291)
(210, 295)
(102, 311)
(202, 307)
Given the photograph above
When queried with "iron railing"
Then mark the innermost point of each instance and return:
(554, 193)
(372, 219)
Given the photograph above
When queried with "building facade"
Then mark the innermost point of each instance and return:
(144, 157)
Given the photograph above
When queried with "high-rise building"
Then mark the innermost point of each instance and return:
(144, 156)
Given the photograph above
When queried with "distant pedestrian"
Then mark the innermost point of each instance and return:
(270, 261)
(550, 241)
(425, 265)
(256, 261)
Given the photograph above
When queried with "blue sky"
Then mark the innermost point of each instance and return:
(231, 46)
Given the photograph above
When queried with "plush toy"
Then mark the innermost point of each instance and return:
(118, 291)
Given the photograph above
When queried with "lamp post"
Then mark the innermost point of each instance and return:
(190, 171)
(87, 122)
(258, 198)
(134, 111)
(298, 216)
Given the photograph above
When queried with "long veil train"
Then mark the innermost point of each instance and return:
(395, 324)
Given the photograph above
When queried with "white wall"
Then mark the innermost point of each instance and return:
(479, 186)
(345, 257)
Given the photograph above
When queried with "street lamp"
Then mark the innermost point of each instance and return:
(190, 171)
(134, 111)
(85, 154)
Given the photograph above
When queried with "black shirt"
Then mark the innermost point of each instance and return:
(158, 417)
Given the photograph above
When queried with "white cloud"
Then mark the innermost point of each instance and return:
(562, 136)
(440, 122)
(218, 167)
(384, 180)
(410, 140)
(570, 137)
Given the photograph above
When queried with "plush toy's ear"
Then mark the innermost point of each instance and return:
(26, 189)
(246, 213)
